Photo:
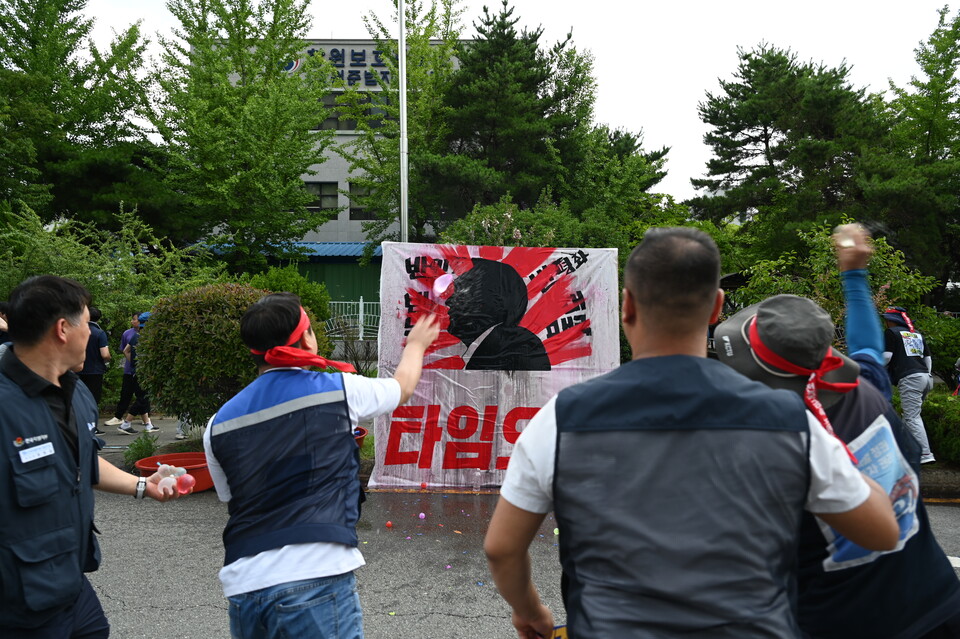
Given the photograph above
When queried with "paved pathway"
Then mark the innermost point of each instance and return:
(426, 578)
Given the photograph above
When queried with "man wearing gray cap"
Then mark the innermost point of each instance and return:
(846, 590)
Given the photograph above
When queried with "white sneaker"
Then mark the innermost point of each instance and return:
(150, 428)
(179, 436)
(927, 459)
(113, 421)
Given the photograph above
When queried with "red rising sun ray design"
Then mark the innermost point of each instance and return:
(525, 260)
(458, 257)
(447, 363)
(564, 346)
(549, 306)
(492, 253)
(557, 301)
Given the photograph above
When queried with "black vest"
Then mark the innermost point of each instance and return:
(47, 536)
(678, 490)
(897, 595)
(286, 446)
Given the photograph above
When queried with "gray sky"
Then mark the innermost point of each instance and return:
(655, 61)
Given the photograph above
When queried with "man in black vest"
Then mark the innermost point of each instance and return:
(50, 466)
(677, 483)
(907, 355)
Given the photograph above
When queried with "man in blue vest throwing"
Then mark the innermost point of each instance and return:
(49, 468)
(282, 454)
(677, 483)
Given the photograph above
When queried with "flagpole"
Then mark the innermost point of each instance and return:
(404, 154)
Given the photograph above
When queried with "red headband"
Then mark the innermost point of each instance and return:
(814, 380)
(287, 355)
(906, 319)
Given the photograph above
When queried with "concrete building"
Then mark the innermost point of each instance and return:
(360, 64)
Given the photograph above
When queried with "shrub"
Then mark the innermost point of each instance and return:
(125, 271)
(313, 295)
(143, 446)
(191, 359)
(941, 417)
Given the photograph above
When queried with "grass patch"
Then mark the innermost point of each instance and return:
(366, 451)
(145, 445)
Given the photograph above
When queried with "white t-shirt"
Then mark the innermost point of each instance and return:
(366, 398)
(836, 485)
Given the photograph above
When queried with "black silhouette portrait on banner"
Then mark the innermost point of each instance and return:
(486, 307)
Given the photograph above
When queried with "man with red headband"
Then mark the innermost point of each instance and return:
(282, 453)
(907, 355)
(845, 590)
(678, 484)
(785, 342)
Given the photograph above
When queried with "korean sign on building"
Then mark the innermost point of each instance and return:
(358, 63)
(517, 325)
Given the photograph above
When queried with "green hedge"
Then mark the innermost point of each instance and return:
(191, 358)
(941, 417)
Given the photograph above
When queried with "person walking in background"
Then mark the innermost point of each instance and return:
(141, 406)
(282, 453)
(653, 547)
(911, 369)
(95, 363)
(126, 386)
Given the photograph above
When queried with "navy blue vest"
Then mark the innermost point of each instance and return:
(47, 536)
(678, 490)
(897, 595)
(286, 445)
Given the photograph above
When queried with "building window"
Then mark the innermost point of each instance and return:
(358, 209)
(336, 121)
(325, 195)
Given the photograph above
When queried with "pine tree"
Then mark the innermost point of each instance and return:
(914, 181)
(499, 119)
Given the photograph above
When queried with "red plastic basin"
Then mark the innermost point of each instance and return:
(195, 463)
(361, 436)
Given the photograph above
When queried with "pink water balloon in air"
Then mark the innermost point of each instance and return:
(442, 283)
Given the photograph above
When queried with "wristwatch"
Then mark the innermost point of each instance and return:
(141, 488)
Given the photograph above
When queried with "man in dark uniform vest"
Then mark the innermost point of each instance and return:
(49, 468)
(678, 484)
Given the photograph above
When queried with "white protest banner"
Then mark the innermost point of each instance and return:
(518, 324)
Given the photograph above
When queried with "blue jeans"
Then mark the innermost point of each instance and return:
(324, 608)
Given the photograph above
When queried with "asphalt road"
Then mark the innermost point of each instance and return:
(425, 578)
